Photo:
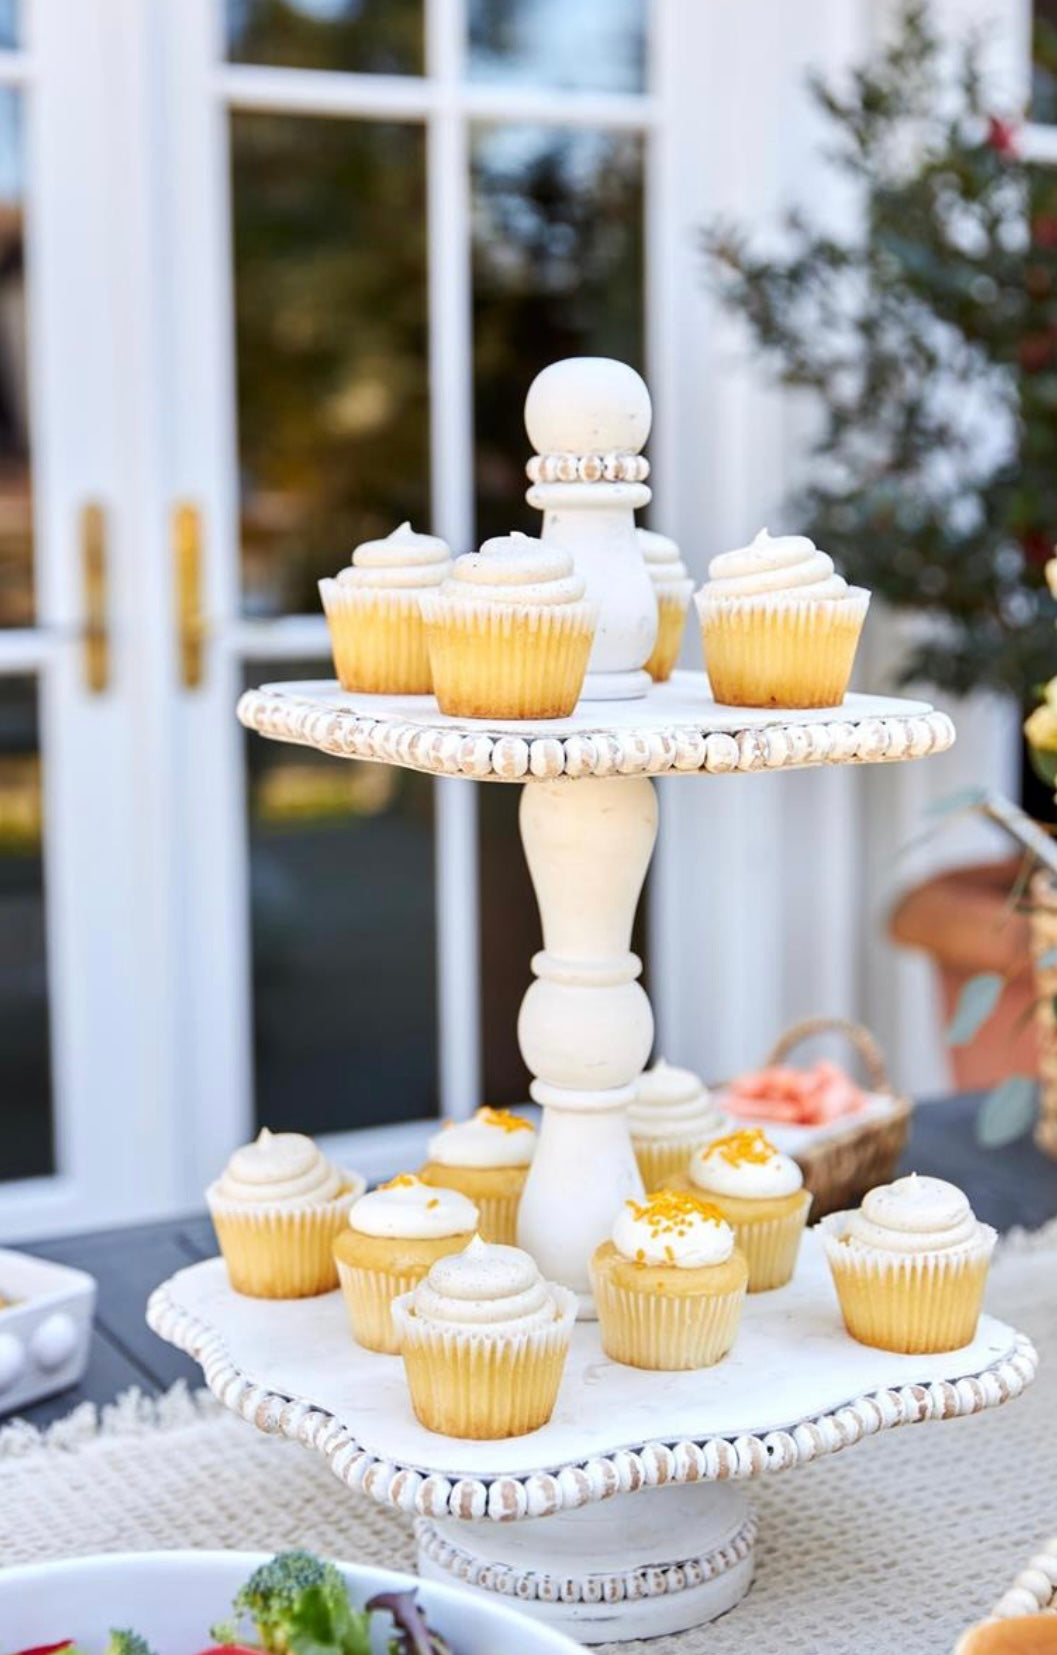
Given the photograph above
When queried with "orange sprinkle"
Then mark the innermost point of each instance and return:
(402, 1181)
(434, 1203)
(670, 1212)
(747, 1148)
(503, 1119)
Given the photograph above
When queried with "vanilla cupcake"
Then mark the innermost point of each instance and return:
(673, 1114)
(761, 1194)
(393, 1236)
(672, 588)
(277, 1208)
(484, 1340)
(779, 625)
(910, 1266)
(669, 1286)
(486, 1158)
(509, 632)
(374, 611)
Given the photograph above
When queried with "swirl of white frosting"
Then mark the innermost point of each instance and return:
(279, 1169)
(490, 1138)
(914, 1215)
(406, 1208)
(745, 1164)
(515, 570)
(673, 1229)
(490, 1287)
(674, 1103)
(787, 566)
(661, 556)
(403, 559)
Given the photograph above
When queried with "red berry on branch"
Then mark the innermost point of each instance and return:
(1001, 136)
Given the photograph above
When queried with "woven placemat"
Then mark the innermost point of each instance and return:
(890, 1549)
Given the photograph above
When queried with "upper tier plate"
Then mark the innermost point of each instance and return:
(794, 1387)
(676, 729)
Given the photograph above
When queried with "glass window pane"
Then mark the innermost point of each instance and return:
(558, 271)
(1044, 77)
(332, 343)
(362, 36)
(26, 1146)
(16, 520)
(594, 45)
(343, 934)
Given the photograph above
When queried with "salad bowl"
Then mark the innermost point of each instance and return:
(173, 1599)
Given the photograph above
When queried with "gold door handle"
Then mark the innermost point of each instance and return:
(95, 636)
(190, 620)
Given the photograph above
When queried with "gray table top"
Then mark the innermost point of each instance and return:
(1014, 1185)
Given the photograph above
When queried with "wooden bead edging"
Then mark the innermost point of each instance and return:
(626, 1585)
(1034, 1590)
(506, 1498)
(490, 756)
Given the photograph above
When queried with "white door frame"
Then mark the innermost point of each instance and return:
(114, 1129)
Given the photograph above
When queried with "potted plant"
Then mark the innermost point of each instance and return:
(928, 342)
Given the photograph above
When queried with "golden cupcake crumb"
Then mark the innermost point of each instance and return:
(402, 1181)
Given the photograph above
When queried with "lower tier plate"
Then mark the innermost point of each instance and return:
(794, 1388)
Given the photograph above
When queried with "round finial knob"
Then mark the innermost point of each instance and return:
(588, 405)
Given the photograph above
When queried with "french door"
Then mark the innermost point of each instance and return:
(274, 276)
(388, 218)
(86, 1129)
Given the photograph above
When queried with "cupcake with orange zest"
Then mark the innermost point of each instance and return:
(669, 1285)
(393, 1236)
(761, 1194)
(486, 1158)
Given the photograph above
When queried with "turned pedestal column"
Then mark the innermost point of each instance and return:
(586, 1027)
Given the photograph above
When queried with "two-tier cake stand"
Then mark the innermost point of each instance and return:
(535, 1517)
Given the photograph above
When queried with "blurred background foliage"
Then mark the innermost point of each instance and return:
(927, 339)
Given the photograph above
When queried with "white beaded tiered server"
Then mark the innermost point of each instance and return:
(534, 1517)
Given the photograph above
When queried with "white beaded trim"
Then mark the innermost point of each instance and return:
(623, 1586)
(507, 1498)
(588, 468)
(1034, 1591)
(680, 750)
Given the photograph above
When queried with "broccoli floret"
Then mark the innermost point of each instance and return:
(300, 1606)
(128, 1643)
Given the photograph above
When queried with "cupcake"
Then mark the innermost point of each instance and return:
(761, 1194)
(779, 625)
(672, 588)
(1018, 1635)
(374, 612)
(486, 1158)
(277, 1208)
(484, 1340)
(509, 632)
(393, 1236)
(910, 1266)
(673, 1114)
(669, 1286)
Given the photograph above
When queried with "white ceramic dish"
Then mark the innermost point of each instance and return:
(173, 1598)
(45, 1334)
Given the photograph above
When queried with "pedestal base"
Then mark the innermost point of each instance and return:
(604, 1573)
(616, 686)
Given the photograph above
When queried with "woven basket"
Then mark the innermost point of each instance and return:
(843, 1166)
(1043, 941)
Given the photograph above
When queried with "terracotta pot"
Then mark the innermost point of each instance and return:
(962, 920)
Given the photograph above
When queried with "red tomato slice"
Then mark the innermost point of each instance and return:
(46, 1649)
(221, 1649)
